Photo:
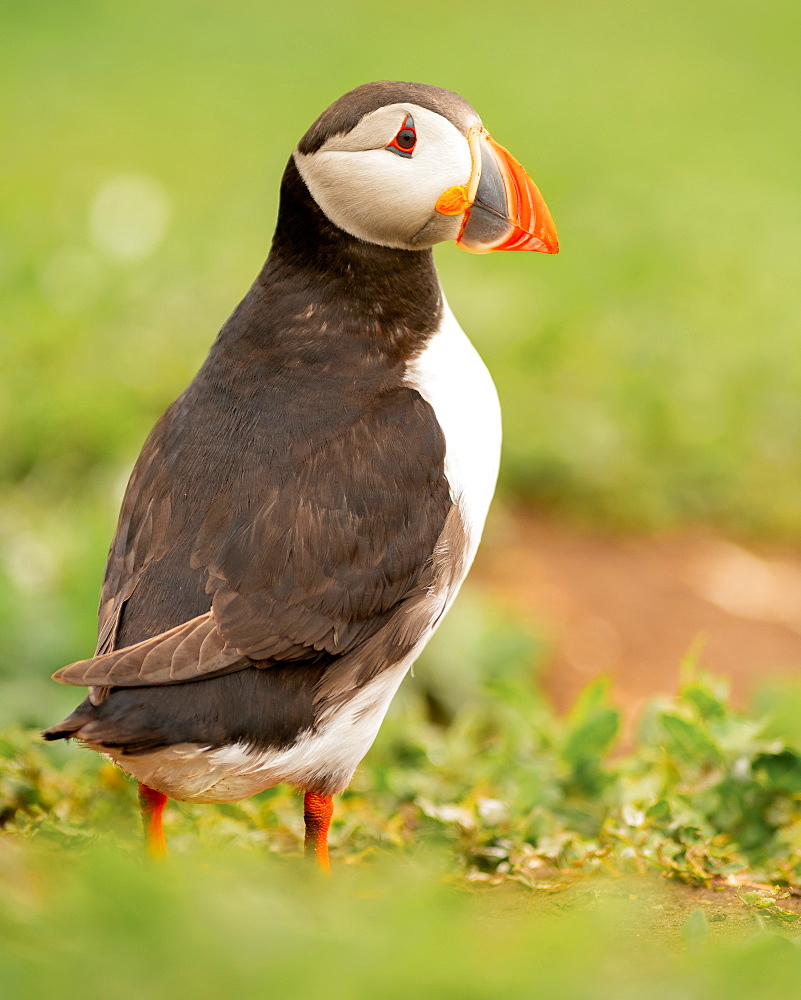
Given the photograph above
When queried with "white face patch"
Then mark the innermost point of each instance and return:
(378, 196)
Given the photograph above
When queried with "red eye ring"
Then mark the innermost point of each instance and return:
(404, 142)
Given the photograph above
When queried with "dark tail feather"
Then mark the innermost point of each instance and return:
(70, 726)
(99, 725)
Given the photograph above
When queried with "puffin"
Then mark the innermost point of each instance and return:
(302, 516)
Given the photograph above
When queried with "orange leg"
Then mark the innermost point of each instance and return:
(317, 812)
(152, 803)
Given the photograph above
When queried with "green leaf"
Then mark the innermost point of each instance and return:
(704, 700)
(695, 930)
(594, 724)
(659, 812)
(688, 740)
(781, 771)
(767, 905)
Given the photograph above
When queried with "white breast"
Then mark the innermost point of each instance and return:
(453, 379)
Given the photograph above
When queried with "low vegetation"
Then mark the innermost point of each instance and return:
(479, 821)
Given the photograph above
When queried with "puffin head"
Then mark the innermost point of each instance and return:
(406, 165)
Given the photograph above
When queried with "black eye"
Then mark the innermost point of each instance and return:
(405, 141)
(406, 138)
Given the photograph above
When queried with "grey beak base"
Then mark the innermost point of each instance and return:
(488, 223)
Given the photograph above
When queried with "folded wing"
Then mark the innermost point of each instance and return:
(296, 553)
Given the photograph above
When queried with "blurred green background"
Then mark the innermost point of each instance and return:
(650, 374)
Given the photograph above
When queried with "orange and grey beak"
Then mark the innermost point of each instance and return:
(503, 210)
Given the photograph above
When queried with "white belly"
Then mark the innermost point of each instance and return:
(325, 757)
(452, 378)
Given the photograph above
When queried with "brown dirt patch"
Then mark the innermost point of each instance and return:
(650, 908)
(633, 607)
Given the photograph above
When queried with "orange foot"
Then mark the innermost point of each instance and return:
(317, 812)
(152, 803)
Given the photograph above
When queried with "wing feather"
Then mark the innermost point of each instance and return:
(288, 536)
(185, 653)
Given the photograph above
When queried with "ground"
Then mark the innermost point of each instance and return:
(633, 607)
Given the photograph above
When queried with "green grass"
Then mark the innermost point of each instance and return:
(105, 925)
(108, 926)
(485, 848)
(476, 764)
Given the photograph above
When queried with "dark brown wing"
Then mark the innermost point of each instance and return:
(301, 538)
(184, 653)
(319, 561)
(143, 536)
